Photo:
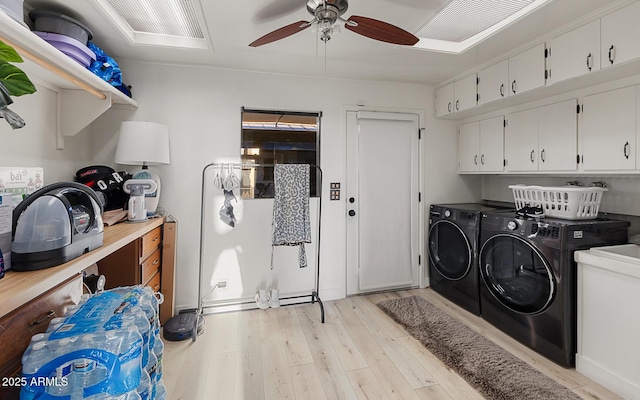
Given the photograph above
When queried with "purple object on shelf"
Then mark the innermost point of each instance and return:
(69, 46)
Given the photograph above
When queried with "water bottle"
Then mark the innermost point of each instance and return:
(161, 391)
(88, 372)
(152, 366)
(158, 350)
(144, 390)
(37, 354)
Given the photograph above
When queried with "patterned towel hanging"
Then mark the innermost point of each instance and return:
(291, 224)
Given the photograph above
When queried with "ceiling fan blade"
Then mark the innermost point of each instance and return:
(380, 30)
(281, 33)
(278, 8)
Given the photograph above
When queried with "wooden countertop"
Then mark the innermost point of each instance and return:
(18, 288)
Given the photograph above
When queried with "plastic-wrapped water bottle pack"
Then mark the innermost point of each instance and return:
(107, 347)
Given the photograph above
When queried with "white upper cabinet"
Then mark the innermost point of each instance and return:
(481, 146)
(558, 136)
(608, 131)
(469, 147)
(543, 139)
(521, 137)
(493, 82)
(444, 100)
(465, 92)
(620, 33)
(574, 53)
(526, 70)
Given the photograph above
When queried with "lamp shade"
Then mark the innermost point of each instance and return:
(143, 143)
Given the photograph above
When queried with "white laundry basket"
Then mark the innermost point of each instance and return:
(566, 202)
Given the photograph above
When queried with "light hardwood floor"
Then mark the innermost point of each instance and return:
(358, 353)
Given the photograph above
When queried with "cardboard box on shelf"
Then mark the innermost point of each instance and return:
(20, 181)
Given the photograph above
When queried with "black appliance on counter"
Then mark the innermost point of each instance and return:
(55, 224)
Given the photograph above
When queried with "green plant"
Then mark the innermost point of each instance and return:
(13, 82)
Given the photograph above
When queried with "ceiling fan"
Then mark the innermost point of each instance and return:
(327, 12)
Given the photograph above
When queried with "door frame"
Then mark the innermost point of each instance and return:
(423, 264)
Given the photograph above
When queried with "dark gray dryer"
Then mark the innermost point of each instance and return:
(453, 245)
(528, 275)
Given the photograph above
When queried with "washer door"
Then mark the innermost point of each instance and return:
(449, 250)
(516, 274)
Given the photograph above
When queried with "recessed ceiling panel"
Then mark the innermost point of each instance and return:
(161, 17)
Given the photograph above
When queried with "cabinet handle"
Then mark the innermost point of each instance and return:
(531, 156)
(46, 317)
(482, 159)
(457, 105)
(542, 157)
(513, 86)
(156, 262)
(449, 107)
(626, 150)
(589, 61)
(612, 54)
(156, 238)
(502, 90)
(475, 159)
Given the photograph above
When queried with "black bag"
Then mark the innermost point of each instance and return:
(107, 183)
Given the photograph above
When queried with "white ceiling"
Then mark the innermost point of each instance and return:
(232, 24)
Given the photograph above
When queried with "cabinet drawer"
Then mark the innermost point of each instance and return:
(17, 327)
(154, 282)
(151, 265)
(150, 242)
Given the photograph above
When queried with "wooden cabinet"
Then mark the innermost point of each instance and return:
(608, 131)
(481, 146)
(465, 92)
(493, 83)
(526, 70)
(17, 327)
(574, 53)
(619, 37)
(543, 139)
(136, 263)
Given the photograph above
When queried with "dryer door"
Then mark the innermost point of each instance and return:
(449, 250)
(516, 274)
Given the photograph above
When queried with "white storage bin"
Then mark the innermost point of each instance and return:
(566, 202)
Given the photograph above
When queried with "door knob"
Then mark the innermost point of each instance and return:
(352, 213)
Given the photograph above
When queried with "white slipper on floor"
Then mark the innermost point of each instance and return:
(274, 301)
(262, 300)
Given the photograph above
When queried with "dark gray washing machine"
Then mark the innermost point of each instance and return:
(529, 277)
(453, 248)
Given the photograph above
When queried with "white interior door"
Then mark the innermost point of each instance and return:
(382, 201)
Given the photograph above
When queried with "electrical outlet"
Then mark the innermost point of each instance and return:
(222, 285)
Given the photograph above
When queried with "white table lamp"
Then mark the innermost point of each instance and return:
(144, 143)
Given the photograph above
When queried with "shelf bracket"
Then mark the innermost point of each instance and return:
(76, 110)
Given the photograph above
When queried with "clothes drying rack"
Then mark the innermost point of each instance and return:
(313, 297)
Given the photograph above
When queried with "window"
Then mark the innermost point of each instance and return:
(277, 137)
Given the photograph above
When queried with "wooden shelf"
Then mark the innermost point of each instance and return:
(83, 96)
(18, 288)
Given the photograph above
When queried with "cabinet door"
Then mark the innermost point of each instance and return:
(493, 82)
(526, 70)
(444, 100)
(522, 141)
(468, 145)
(575, 53)
(492, 144)
(558, 136)
(620, 32)
(466, 92)
(608, 132)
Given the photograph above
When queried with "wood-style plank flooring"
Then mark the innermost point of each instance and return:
(358, 353)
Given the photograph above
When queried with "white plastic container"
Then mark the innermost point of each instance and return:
(566, 202)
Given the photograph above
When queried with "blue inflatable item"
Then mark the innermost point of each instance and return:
(105, 67)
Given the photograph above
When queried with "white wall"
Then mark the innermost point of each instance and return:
(35, 144)
(202, 107)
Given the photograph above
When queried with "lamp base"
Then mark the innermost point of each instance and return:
(151, 199)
